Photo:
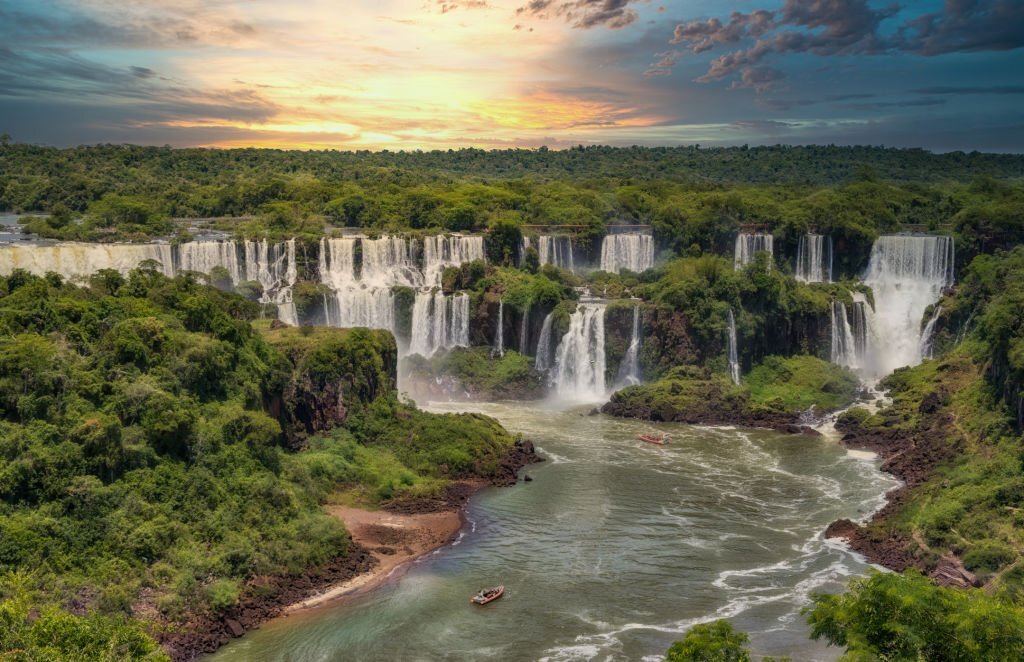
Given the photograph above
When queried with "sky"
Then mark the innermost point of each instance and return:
(440, 74)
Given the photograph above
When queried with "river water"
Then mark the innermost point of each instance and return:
(613, 551)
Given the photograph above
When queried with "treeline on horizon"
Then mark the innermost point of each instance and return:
(695, 199)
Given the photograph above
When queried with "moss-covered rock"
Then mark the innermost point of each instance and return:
(332, 373)
(776, 395)
(472, 373)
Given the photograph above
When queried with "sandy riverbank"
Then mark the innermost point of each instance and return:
(393, 540)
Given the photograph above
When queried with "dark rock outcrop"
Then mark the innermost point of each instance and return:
(328, 373)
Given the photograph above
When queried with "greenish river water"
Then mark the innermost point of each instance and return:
(613, 551)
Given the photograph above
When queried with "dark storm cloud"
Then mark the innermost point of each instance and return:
(990, 89)
(584, 13)
(965, 26)
(850, 27)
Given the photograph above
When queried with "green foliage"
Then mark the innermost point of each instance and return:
(907, 617)
(53, 634)
(710, 642)
(142, 450)
(799, 383)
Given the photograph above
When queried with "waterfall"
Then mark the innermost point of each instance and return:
(439, 322)
(860, 326)
(77, 261)
(390, 261)
(205, 256)
(927, 349)
(441, 251)
(372, 307)
(338, 262)
(524, 332)
(844, 350)
(273, 266)
(749, 244)
(814, 259)
(543, 360)
(553, 250)
(734, 361)
(499, 334)
(580, 359)
(907, 274)
(627, 252)
(629, 369)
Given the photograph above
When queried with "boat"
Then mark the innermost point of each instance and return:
(488, 595)
(657, 439)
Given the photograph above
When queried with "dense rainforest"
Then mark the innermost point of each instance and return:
(164, 450)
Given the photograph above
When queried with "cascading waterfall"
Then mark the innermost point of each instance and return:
(627, 252)
(844, 351)
(273, 266)
(907, 274)
(77, 261)
(543, 360)
(580, 358)
(390, 261)
(354, 302)
(814, 259)
(555, 250)
(499, 334)
(443, 251)
(629, 369)
(748, 244)
(928, 335)
(734, 361)
(205, 256)
(860, 326)
(524, 332)
(439, 322)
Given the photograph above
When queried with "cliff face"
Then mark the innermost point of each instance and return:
(329, 373)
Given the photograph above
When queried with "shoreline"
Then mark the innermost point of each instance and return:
(395, 541)
(361, 570)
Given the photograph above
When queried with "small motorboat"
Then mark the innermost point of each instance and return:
(488, 595)
(656, 439)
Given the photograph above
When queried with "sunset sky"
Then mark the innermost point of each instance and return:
(427, 74)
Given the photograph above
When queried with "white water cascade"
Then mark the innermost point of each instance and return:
(273, 266)
(439, 322)
(580, 359)
(907, 274)
(353, 301)
(928, 335)
(629, 369)
(524, 332)
(77, 261)
(748, 244)
(814, 259)
(554, 250)
(543, 356)
(362, 290)
(844, 350)
(627, 252)
(734, 360)
(499, 334)
(443, 251)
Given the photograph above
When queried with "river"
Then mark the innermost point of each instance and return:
(613, 551)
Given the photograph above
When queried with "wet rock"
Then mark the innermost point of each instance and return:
(234, 627)
(527, 478)
(842, 528)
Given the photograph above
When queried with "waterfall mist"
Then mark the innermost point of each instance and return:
(543, 361)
